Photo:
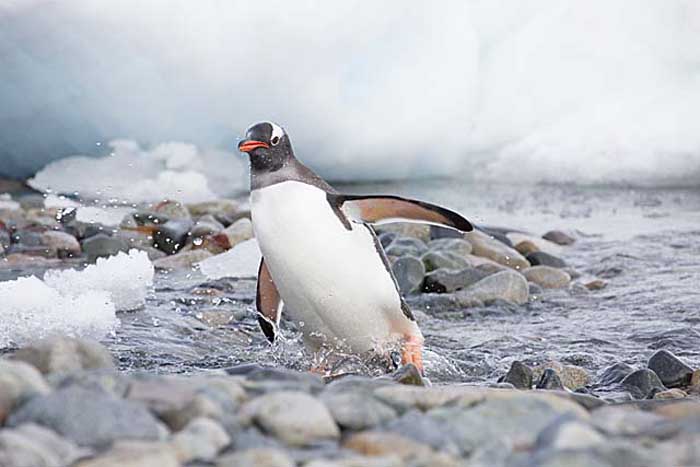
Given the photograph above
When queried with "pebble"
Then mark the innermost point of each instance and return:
(595, 284)
(571, 376)
(101, 246)
(670, 369)
(256, 457)
(569, 434)
(239, 231)
(407, 246)
(216, 207)
(31, 445)
(18, 381)
(65, 354)
(526, 247)
(614, 374)
(182, 260)
(409, 229)
(540, 258)
(202, 439)
(172, 236)
(519, 375)
(674, 393)
(172, 210)
(134, 454)
(378, 443)
(559, 237)
(437, 260)
(695, 381)
(294, 417)
(357, 411)
(61, 244)
(547, 277)
(459, 246)
(506, 285)
(487, 247)
(448, 281)
(409, 272)
(643, 383)
(408, 374)
(206, 225)
(549, 380)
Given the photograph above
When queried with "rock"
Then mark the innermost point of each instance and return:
(505, 285)
(88, 418)
(671, 371)
(643, 383)
(526, 247)
(216, 207)
(102, 246)
(409, 272)
(487, 247)
(559, 237)
(540, 258)
(65, 354)
(266, 379)
(695, 382)
(674, 393)
(379, 443)
(385, 238)
(534, 289)
(519, 375)
(107, 381)
(201, 439)
(172, 236)
(31, 445)
(61, 244)
(571, 376)
(454, 245)
(134, 454)
(19, 381)
(205, 226)
(182, 260)
(621, 420)
(568, 434)
(172, 210)
(424, 429)
(256, 457)
(448, 281)
(295, 417)
(408, 374)
(436, 260)
(407, 246)
(547, 277)
(408, 229)
(239, 231)
(549, 380)
(217, 317)
(595, 284)
(614, 374)
(357, 411)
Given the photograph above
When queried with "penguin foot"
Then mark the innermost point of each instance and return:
(412, 352)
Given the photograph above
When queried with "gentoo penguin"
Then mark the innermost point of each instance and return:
(322, 259)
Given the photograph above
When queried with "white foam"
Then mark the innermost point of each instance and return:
(242, 261)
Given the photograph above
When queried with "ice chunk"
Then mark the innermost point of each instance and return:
(126, 278)
(6, 202)
(104, 216)
(242, 260)
(32, 309)
(54, 201)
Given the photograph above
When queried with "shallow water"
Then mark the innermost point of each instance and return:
(644, 243)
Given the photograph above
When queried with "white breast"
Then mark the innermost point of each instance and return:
(330, 278)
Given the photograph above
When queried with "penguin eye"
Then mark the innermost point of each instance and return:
(275, 140)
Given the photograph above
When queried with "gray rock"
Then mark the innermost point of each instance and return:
(88, 418)
(549, 380)
(239, 231)
(385, 238)
(202, 439)
(31, 445)
(19, 381)
(534, 289)
(541, 258)
(416, 425)
(108, 381)
(408, 229)
(621, 420)
(61, 244)
(182, 260)
(448, 281)
(435, 260)
(519, 375)
(256, 457)
(102, 246)
(408, 374)
(134, 454)
(295, 417)
(265, 379)
(84, 230)
(458, 246)
(206, 225)
(614, 374)
(172, 236)
(487, 247)
(643, 383)
(357, 411)
(547, 277)
(407, 246)
(409, 272)
(504, 285)
(219, 206)
(670, 369)
(65, 354)
(172, 210)
(565, 433)
(559, 237)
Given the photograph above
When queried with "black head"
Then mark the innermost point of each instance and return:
(267, 145)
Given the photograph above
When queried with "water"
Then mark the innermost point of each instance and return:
(644, 243)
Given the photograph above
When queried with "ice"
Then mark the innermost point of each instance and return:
(59, 201)
(7, 203)
(243, 260)
(110, 216)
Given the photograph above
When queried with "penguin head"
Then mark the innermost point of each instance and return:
(267, 145)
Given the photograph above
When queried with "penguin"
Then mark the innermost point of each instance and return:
(321, 259)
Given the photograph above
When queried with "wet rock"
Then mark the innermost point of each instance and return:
(216, 207)
(385, 238)
(172, 236)
(407, 246)
(621, 420)
(448, 281)
(202, 439)
(61, 244)
(459, 246)
(568, 434)
(408, 374)
(182, 260)
(540, 258)
(102, 246)
(256, 457)
(107, 381)
(84, 230)
(643, 383)
(559, 237)
(614, 374)
(674, 393)
(65, 354)
(695, 382)
(357, 411)
(239, 231)
(534, 289)
(379, 443)
(670, 369)
(595, 284)
(571, 376)
(134, 454)
(206, 225)
(409, 229)
(31, 445)
(436, 260)
(424, 429)
(265, 379)
(519, 375)
(409, 272)
(88, 418)
(549, 380)
(172, 210)
(526, 247)
(19, 381)
(505, 285)
(294, 417)
(487, 247)
(547, 277)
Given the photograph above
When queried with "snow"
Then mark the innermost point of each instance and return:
(62, 202)
(72, 302)
(243, 260)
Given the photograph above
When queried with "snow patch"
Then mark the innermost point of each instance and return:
(242, 260)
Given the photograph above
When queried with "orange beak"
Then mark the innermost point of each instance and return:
(249, 145)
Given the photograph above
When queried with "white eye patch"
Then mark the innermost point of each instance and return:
(277, 133)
